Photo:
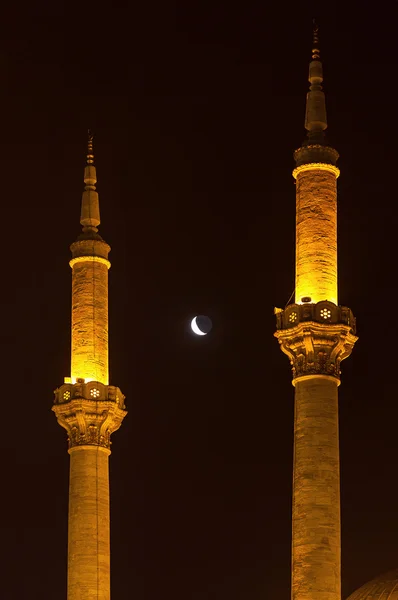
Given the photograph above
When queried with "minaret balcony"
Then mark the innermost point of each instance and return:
(92, 391)
(324, 312)
(315, 153)
(90, 412)
(316, 337)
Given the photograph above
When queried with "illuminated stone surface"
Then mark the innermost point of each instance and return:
(89, 357)
(316, 236)
(315, 350)
(316, 491)
(90, 413)
(316, 334)
(88, 524)
(316, 338)
(88, 408)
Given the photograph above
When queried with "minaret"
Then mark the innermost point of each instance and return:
(88, 407)
(316, 334)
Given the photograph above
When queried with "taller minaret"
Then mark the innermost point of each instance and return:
(88, 407)
(316, 334)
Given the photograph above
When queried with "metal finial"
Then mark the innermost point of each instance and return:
(90, 151)
(315, 41)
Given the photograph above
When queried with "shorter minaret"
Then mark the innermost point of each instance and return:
(87, 407)
(316, 334)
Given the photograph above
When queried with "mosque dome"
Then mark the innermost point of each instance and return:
(384, 587)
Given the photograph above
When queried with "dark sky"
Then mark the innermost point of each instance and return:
(197, 108)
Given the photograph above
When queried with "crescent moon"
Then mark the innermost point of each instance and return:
(195, 328)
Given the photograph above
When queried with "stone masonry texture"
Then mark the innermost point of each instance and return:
(316, 491)
(316, 236)
(90, 321)
(88, 526)
(89, 408)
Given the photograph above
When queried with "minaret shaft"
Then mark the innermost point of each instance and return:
(89, 358)
(316, 492)
(89, 524)
(316, 235)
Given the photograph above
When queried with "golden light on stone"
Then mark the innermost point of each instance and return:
(316, 234)
(87, 407)
(98, 259)
(316, 167)
(90, 316)
(317, 335)
(316, 338)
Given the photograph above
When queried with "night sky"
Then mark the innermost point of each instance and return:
(196, 109)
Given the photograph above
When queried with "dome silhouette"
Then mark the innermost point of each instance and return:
(384, 587)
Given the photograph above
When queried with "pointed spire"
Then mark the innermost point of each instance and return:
(90, 151)
(90, 215)
(315, 117)
(315, 41)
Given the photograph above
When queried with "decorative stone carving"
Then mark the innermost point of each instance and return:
(315, 153)
(90, 413)
(316, 337)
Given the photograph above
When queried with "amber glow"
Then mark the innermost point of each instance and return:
(74, 380)
(89, 357)
(318, 167)
(316, 337)
(316, 233)
(89, 413)
(97, 259)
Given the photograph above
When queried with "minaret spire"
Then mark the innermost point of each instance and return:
(315, 41)
(90, 215)
(90, 151)
(315, 115)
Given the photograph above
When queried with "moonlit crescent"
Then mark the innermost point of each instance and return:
(195, 328)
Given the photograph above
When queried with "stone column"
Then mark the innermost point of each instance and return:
(316, 491)
(316, 232)
(90, 309)
(316, 338)
(90, 412)
(88, 524)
